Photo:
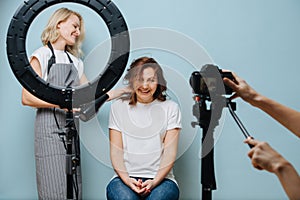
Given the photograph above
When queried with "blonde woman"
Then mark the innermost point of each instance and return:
(57, 62)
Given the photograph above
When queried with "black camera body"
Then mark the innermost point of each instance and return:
(209, 81)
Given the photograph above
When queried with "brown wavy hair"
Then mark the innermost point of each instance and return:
(136, 71)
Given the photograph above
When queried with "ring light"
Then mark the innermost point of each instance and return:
(18, 60)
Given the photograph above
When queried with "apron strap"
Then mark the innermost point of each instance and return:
(52, 60)
(71, 61)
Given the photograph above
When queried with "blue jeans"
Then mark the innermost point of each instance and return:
(166, 190)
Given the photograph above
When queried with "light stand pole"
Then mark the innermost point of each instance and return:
(72, 153)
(70, 137)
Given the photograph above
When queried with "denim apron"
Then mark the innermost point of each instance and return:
(50, 152)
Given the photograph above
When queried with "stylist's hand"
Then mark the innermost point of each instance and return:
(116, 93)
(241, 89)
(74, 110)
(263, 156)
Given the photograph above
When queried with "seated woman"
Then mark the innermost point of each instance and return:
(144, 130)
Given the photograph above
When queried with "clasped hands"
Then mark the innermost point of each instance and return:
(140, 187)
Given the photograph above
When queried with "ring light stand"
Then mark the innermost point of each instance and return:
(68, 97)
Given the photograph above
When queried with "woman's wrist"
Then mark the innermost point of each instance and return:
(125, 178)
(156, 181)
(256, 99)
(281, 166)
(116, 93)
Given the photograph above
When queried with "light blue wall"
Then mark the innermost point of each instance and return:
(259, 40)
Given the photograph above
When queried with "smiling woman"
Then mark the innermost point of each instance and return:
(50, 78)
(56, 62)
(145, 77)
(146, 87)
(144, 132)
(30, 80)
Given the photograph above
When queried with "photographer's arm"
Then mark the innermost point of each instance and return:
(263, 156)
(283, 114)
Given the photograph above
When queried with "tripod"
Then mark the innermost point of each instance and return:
(72, 153)
(70, 138)
(204, 116)
(72, 142)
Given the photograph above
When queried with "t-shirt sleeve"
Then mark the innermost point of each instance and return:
(114, 122)
(174, 117)
(43, 55)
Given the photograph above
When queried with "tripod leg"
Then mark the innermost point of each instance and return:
(207, 166)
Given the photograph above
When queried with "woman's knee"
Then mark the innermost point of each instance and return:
(116, 189)
(167, 190)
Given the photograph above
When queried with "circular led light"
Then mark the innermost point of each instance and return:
(67, 97)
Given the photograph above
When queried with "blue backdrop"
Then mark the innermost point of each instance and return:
(259, 40)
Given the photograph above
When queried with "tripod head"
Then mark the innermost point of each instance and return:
(203, 113)
(208, 85)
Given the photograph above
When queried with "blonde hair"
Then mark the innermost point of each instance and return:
(51, 33)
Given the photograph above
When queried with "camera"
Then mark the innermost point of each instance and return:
(209, 81)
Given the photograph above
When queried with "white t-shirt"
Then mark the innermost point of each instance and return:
(43, 54)
(143, 129)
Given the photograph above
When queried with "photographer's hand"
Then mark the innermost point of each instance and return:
(286, 116)
(242, 89)
(263, 156)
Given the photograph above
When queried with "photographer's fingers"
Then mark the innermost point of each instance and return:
(251, 141)
(236, 80)
(232, 85)
(252, 154)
